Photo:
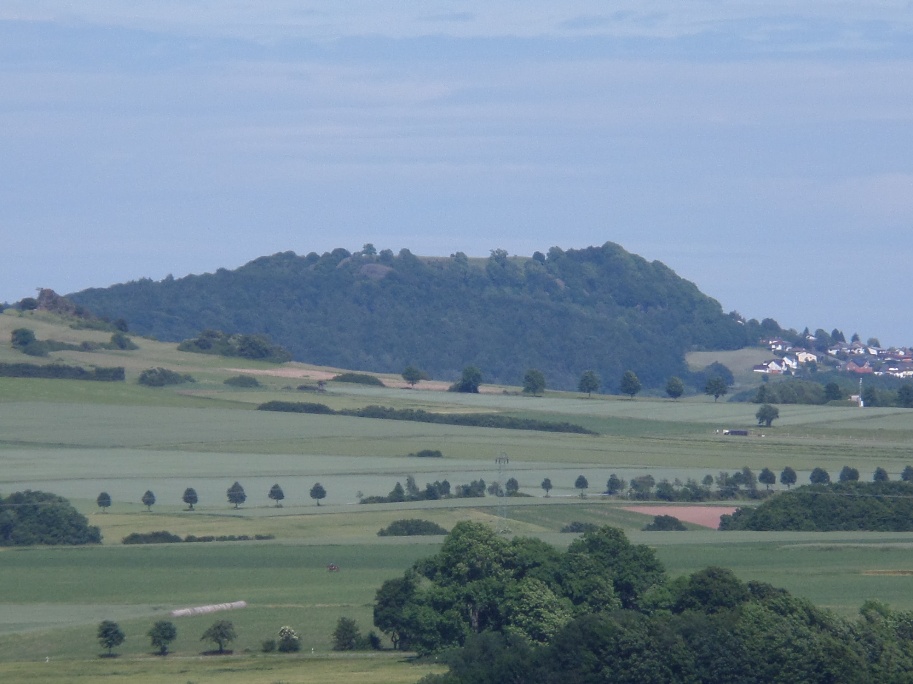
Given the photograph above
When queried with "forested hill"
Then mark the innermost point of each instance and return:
(598, 308)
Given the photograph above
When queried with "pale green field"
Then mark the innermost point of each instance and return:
(80, 438)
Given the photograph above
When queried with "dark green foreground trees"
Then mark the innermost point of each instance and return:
(521, 611)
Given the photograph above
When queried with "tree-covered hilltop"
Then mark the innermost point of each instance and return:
(565, 312)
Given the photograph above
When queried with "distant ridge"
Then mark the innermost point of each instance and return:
(563, 312)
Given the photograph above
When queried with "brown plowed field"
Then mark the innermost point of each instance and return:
(707, 516)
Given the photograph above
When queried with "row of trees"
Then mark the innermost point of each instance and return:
(162, 633)
(534, 382)
(236, 496)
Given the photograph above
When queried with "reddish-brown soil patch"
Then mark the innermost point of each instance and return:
(706, 516)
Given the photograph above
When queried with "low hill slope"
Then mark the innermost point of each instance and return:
(598, 308)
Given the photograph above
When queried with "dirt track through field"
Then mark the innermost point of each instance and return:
(706, 516)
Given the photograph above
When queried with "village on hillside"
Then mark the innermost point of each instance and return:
(855, 357)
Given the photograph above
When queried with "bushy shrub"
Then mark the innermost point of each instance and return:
(243, 381)
(411, 527)
(157, 537)
(289, 641)
(580, 527)
(257, 347)
(359, 379)
(159, 377)
(665, 523)
(59, 371)
(428, 453)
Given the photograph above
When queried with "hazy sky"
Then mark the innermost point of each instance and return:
(763, 150)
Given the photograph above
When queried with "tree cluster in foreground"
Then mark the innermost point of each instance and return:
(498, 610)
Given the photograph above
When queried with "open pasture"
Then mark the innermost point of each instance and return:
(80, 438)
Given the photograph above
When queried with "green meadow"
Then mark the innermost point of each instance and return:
(80, 438)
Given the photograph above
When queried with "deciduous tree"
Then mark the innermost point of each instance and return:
(788, 477)
(848, 474)
(276, 494)
(190, 497)
(589, 382)
(469, 381)
(346, 635)
(715, 387)
(221, 632)
(675, 387)
(819, 476)
(103, 501)
(148, 500)
(110, 635)
(582, 484)
(630, 384)
(533, 382)
(236, 494)
(547, 486)
(162, 634)
(318, 492)
(412, 375)
(881, 475)
(766, 477)
(767, 414)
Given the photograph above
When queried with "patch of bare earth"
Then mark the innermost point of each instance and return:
(706, 516)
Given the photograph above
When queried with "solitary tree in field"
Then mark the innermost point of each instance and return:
(318, 492)
(162, 634)
(766, 477)
(110, 635)
(788, 477)
(630, 384)
(533, 382)
(582, 484)
(236, 494)
(767, 414)
(412, 375)
(881, 475)
(907, 474)
(190, 497)
(675, 387)
(547, 486)
(716, 387)
(148, 500)
(512, 486)
(221, 632)
(103, 501)
(589, 383)
(277, 495)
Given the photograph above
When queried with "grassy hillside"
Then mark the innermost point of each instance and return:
(79, 438)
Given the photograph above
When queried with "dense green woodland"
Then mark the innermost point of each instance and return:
(851, 505)
(520, 611)
(32, 517)
(563, 313)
